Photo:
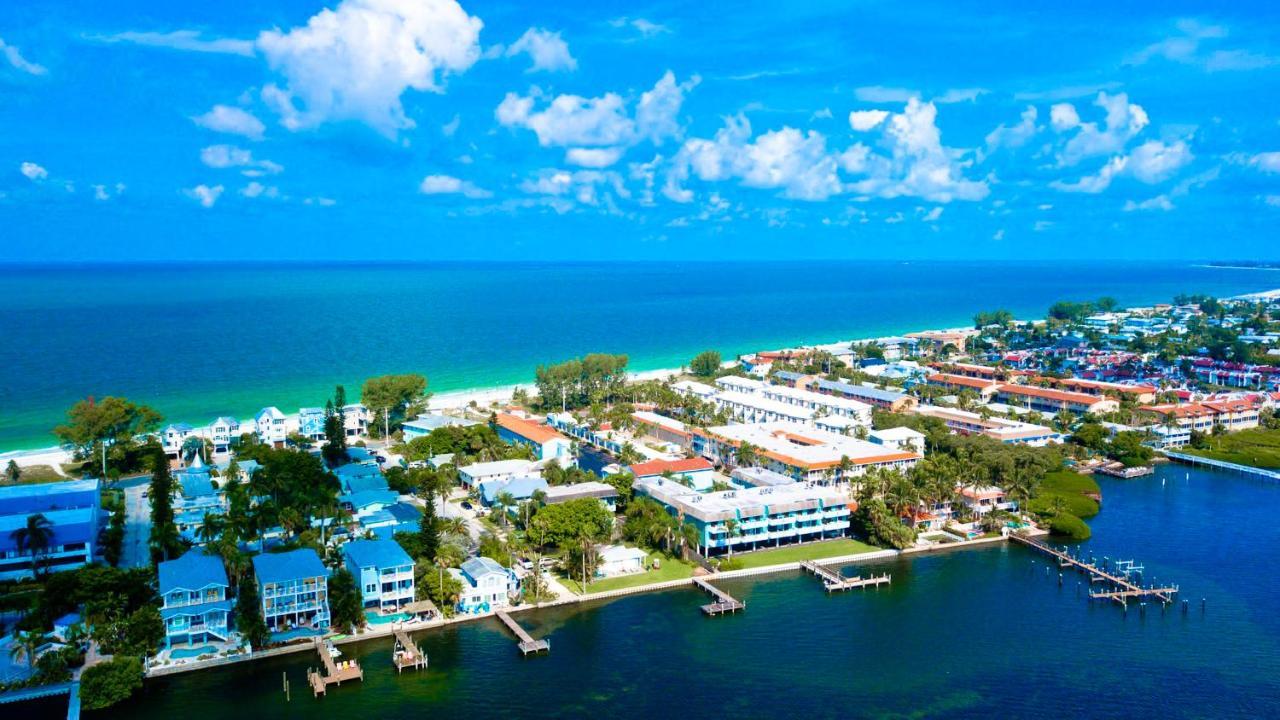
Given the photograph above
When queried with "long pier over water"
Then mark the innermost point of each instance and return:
(1118, 587)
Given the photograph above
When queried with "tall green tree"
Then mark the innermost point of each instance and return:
(107, 683)
(344, 601)
(389, 397)
(12, 471)
(249, 613)
(705, 364)
(166, 543)
(92, 424)
(429, 525)
(335, 429)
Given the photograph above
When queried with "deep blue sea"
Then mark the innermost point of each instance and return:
(975, 633)
(196, 341)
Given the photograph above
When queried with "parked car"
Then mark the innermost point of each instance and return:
(466, 505)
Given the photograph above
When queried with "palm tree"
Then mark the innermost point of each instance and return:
(746, 455)
(211, 528)
(504, 500)
(731, 527)
(34, 537)
(453, 526)
(25, 644)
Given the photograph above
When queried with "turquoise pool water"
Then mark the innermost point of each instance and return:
(376, 619)
(179, 653)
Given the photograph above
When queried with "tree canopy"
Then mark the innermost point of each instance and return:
(579, 382)
(565, 522)
(705, 364)
(387, 396)
(113, 419)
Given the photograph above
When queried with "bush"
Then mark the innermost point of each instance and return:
(107, 683)
(1069, 526)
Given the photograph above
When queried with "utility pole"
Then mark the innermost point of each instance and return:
(104, 460)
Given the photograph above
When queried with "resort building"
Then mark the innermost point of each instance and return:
(999, 429)
(822, 405)
(294, 589)
(887, 399)
(697, 472)
(1203, 417)
(762, 516)
(470, 476)
(757, 408)
(72, 509)
(270, 426)
(802, 452)
(1137, 393)
(985, 389)
(981, 372)
(746, 386)
(758, 477)
(691, 388)
(383, 573)
(663, 428)
(486, 586)
(547, 444)
(1051, 401)
(193, 596)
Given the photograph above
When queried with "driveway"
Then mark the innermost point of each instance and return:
(137, 527)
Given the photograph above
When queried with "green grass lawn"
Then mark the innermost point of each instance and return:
(798, 553)
(669, 569)
(1258, 447)
(36, 474)
(1071, 487)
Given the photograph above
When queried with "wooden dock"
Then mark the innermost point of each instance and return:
(407, 654)
(835, 582)
(334, 673)
(526, 643)
(724, 603)
(1116, 587)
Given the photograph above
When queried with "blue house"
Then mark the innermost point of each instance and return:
(383, 573)
(294, 589)
(72, 508)
(197, 497)
(521, 488)
(193, 590)
(486, 585)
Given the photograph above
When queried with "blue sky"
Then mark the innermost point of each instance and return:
(425, 129)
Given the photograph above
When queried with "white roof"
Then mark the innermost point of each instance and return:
(498, 467)
(620, 553)
(898, 433)
(809, 445)
(733, 382)
(764, 404)
(693, 388)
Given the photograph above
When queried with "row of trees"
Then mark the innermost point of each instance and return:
(595, 378)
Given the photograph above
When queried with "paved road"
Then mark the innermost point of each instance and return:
(137, 527)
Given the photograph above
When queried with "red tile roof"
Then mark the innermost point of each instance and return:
(657, 467)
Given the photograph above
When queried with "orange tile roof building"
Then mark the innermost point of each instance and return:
(1050, 400)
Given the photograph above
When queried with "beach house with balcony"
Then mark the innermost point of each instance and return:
(173, 436)
(1051, 401)
(193, 596)
(197, 497)
(486, 585)
(383, 573)
(294, 589)
(73, 510)
(223, 432)
(270, 426)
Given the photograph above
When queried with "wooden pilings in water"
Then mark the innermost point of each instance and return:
(334, 673)
(1122, 589)
(407, 654)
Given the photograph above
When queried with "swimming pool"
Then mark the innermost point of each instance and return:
(186, 652)
(376, 619)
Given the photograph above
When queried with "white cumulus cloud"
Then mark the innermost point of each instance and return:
(1063, 116)
(449, 185)
(232, 121)
(547, 50)
(1123, 121)
(204, 194)
(356, 61)
(230, 156)
(864, 120)
(33, 172)
(188, 40)
(592, 157)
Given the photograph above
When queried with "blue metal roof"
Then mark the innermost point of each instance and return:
(480, 566)
(364, 483)
(405, 513)
(286, 566)
(43, 497)
(196, 482)
(365, 498)
(376, 553)
(76, 525)
(522, 488)
(351, 470)
(192, 571)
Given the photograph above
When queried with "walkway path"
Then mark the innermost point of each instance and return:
(1222, 464)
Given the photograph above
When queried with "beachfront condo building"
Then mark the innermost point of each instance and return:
(1050, 400)
(383, 573)
(762, 517)
(194, 604)
(486, 585)
(803, 452)
(72, 511)
(294, 589)
(547, 443)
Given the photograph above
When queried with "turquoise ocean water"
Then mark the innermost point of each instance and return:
(200, 341)
(976, 633)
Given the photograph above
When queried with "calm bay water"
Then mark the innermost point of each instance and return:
(962, 634)
(200, 341)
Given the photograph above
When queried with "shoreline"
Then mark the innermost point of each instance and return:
(388, 629)
(459, 398)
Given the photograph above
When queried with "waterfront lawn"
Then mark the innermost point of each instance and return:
(1073, 488)
(1258, 447)
(34, 474)
(799, 553)
(669, 569)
